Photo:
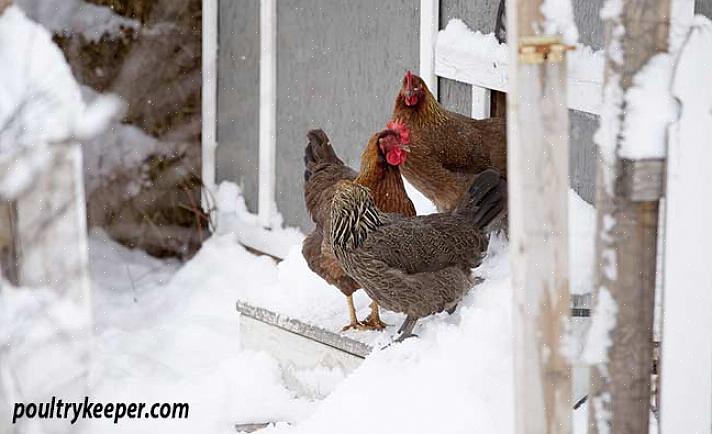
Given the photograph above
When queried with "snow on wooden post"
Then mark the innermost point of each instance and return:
(538, 212)
(51, 231)
(630, 175)
(686, 381)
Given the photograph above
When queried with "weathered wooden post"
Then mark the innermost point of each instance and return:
(628, 192)
(538, 212)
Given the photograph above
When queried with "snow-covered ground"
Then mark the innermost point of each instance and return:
(169, 333)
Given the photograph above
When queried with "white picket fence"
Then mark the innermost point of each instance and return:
(686, 382)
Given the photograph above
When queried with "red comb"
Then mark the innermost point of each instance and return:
(401, 129)
(409, 79)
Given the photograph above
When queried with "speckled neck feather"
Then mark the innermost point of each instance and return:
(353, 217)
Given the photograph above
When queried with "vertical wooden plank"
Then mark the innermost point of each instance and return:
(538, 214)
(209, 97)
(429, 25)
(626, 235)
(52, 230)
(8, 256)
(686, 379)
(268, 110)
(480, 102)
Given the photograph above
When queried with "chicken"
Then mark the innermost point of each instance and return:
(380, 173)
(448, 150)
(415, 265)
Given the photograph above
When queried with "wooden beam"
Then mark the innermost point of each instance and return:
(626, 236)
(268, 112)
(466, 66)
(481, 103)
(429, 26)
(538, 222)
(209, 99)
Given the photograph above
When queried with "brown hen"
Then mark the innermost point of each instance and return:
(448, 150)
(380, 172)
(415, 265)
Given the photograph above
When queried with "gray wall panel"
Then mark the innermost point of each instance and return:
(238, 95)
(455, 96)
(339, 66)
(582, 157)
(477, 14)
(588, 21)
(704, 7)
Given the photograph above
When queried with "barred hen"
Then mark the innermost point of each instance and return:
(415, 265)
(380, 172)
(448, 150)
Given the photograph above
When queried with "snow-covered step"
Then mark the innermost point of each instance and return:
(298, 346)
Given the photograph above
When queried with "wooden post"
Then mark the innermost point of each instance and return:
(8, 255)
(268, 112)
(627, 197)
(209, 99)
(51, 232)
(538, 213)
(429, 26)
(686, 379)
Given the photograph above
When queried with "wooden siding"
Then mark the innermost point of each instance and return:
(238, 95)
(339, 66)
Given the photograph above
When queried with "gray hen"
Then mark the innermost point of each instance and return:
(416, 265)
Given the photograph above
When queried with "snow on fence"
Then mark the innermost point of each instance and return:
(481, 61)
(44, 246)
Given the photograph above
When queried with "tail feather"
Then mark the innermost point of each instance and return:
(485, 199)
(318, 151)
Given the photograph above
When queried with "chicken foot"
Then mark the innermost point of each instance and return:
(373, 320)
(355, 323)
(406, 329)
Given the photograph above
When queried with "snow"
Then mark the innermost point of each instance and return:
(457, 35)
(166, 332)
(120, 146)
(40, 102)
(603, 322)
(650, 109)
(584, 63)
(559, 19)
(613, 96)
(77, 16)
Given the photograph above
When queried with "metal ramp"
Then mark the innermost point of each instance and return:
(309, 345)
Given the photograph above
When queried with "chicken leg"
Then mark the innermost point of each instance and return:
(373, 320)
(355, 323)
(406, 329)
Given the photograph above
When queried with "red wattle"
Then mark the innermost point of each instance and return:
(395, 157)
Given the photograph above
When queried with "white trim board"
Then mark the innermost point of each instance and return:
(268, 112)
(429, 25)
(209, 98)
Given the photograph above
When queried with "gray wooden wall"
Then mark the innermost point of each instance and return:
(238, 95)
(339, 66)
(481, 15)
